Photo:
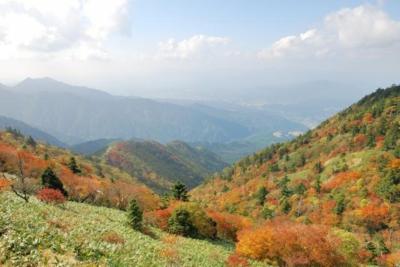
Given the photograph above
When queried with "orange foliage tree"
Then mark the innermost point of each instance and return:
(374, 214)
(228, 225)
(340, 179)
(290, 244)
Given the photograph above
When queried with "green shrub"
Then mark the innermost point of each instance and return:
(180, 223)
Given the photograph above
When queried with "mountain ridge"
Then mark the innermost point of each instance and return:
(160, 166)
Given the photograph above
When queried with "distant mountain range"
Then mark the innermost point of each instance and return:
(160, 166)
(76, 114)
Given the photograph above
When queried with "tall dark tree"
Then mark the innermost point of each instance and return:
(340, 204)
(135, 215)
(260, 195)
(73, 166)
(391, 137)
(31, 142)
(50, 180)
(180, 192)
(318, 167)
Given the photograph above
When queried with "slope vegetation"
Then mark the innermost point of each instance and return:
(343, 174)
(96, 183)
(76, 234)
(28, 130)
(160, 166)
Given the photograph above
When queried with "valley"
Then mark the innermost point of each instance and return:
(336, 184)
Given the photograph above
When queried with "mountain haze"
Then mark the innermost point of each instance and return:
(27, 130)
(78, 114)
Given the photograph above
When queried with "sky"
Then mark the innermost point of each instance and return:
(193, 49)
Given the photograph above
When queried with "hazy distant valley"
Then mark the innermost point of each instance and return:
(71, 115)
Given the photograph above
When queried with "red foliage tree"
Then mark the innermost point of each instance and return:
(228, 225)
(49, 195)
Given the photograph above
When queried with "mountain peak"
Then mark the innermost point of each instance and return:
(50, 85)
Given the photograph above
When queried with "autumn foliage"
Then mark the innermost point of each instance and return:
(235, 260)
(49, 195)
(228, 225)
(291, 244)
(4, 183)
(340, 179)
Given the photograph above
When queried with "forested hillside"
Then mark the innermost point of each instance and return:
(345, 174)
(160, 166)
(28, 130)
(23, 162)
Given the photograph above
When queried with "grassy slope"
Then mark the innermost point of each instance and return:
(73, 235)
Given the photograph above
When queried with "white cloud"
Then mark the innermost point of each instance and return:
(70, 28)
(347, 31)
(195, 46)
(363, 26)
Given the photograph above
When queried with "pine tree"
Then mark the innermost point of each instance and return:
(317, 185)
(135, 215)
(285, 205)
(31, 142)
(318, 167)
(50, 180)
(73, 166)
(371, 141)
(260, 195)
(340, 204)
(180, 192)
(391, 137)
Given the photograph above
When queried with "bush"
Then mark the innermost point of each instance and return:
(228, 225)
(180, 223)
(235, 260)
(4, 183)
(291, 244)
(52, 196)
(206, 226)
(50, 180)
(159, 218)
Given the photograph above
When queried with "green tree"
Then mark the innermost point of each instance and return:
(371, 140)
(301, 161)
(283, 184)
(317, 184)
(300, 189)
(389, 186)
(391, 137)
(180, 192)
(267, 213)
(180, 223)
(260, 195)
(31, 142)
(274, 167)
(135, 215)
(50, 180)
(73, 166)
(285, 205)
(340, 204)
(318, 167)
